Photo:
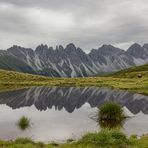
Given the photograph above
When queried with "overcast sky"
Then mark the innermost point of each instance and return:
(86, 23)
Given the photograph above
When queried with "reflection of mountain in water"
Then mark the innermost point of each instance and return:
(72, 98)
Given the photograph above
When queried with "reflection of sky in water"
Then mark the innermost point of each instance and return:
(67, 122)
(47, 125)
(59, 125)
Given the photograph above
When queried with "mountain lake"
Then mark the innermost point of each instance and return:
(61, 113)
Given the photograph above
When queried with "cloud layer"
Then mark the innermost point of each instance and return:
(86, 23)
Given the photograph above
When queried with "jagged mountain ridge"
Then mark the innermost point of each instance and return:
(71, 98)
(72, 61)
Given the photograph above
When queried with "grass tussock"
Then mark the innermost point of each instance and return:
(111, 115)
(111, 111)
(23, 123)
(105, 138)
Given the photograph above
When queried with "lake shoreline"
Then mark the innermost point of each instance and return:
(85, 82)
(104, 138)
(14, 80)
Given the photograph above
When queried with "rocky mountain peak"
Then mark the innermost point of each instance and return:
(135, 46)
(137, 51)
(107, 50)
(60, 47)
(41, 47)
(70, 47)
(145, 46)
(42, 50)
(19, 51)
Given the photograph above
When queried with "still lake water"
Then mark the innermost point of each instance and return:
(60, 113)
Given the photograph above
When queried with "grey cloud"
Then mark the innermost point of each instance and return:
(88, 24)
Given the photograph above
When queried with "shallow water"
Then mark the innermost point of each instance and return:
(57, 114)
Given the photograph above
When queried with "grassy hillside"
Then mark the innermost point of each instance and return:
(11, 76)
(12, 80)
(132, 72)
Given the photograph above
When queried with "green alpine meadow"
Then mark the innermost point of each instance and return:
(126, 80)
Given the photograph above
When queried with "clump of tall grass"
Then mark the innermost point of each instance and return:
(23, 123)
(104, 138)
(27, 142)
(24, 141)
(111, 115)
(111, 111)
